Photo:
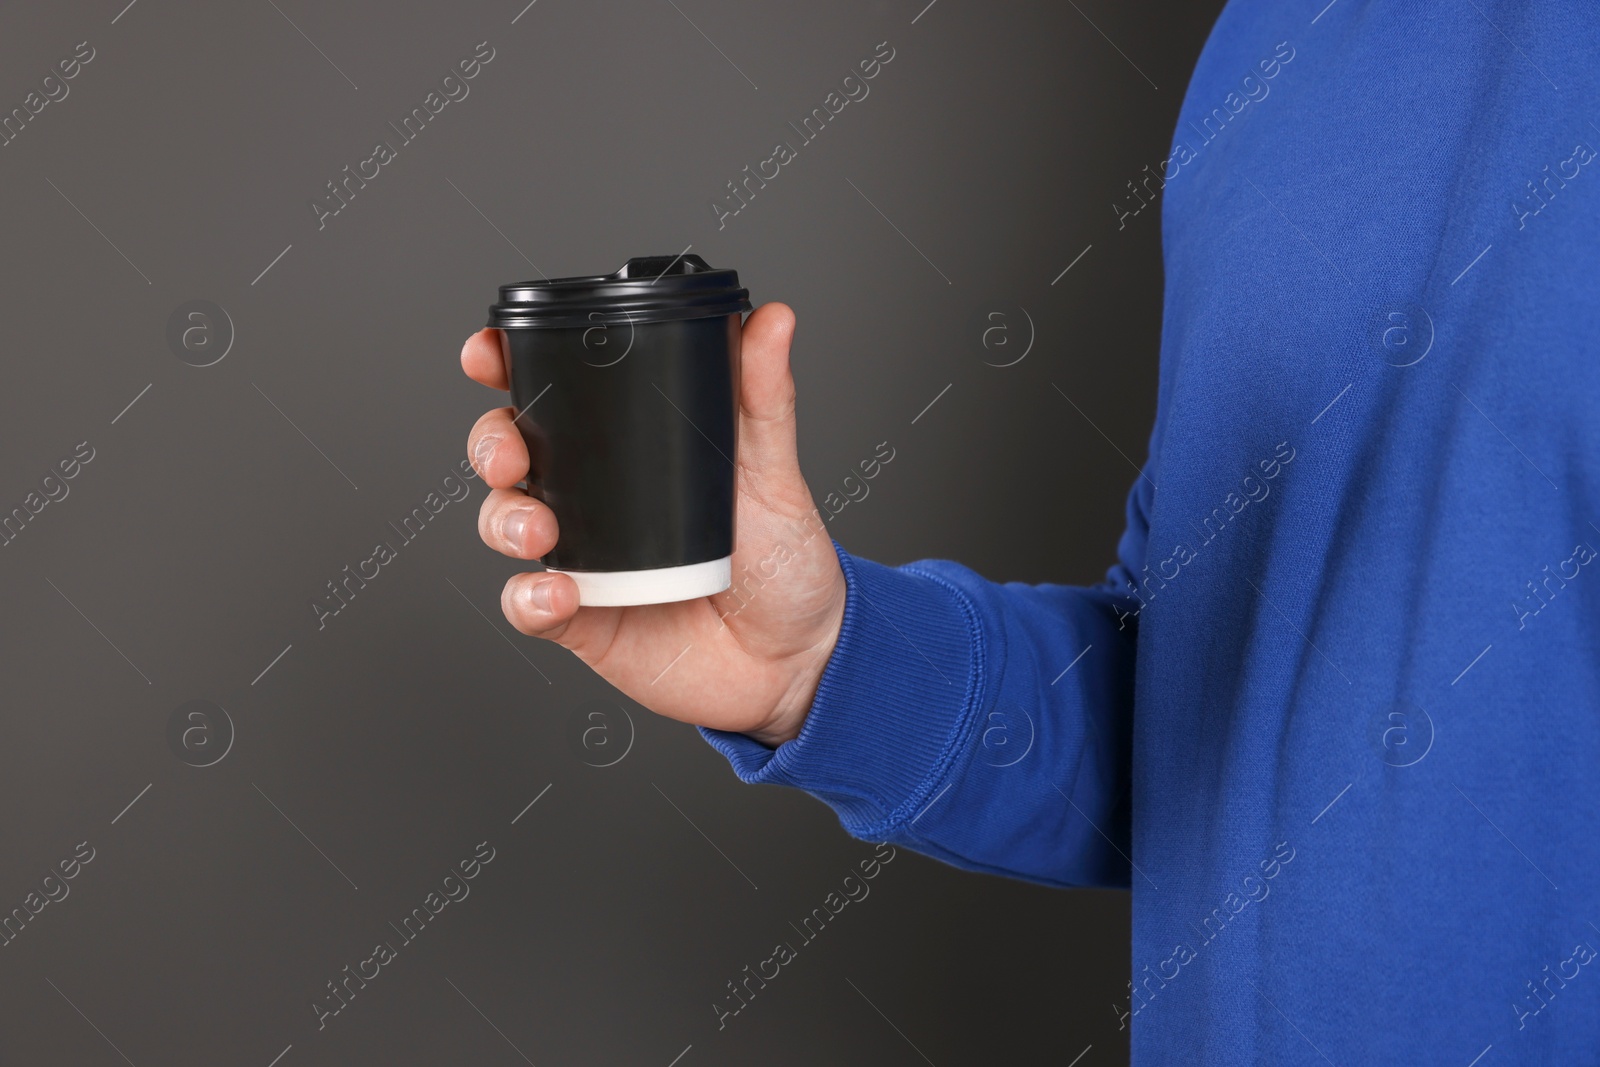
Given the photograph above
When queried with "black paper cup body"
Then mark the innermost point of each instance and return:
(626, 392)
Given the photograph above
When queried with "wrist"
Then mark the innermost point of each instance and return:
(789, 713)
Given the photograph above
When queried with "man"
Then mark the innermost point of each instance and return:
(1334, 716)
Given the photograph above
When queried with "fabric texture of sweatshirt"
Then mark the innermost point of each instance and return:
(1334, 715)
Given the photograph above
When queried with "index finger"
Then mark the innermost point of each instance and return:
(484, 361)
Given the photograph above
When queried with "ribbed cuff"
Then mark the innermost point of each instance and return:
(894, 706)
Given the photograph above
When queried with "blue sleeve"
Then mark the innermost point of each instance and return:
(986, 725)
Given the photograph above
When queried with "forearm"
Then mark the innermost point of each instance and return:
(986, 725)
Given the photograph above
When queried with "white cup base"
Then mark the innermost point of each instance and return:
(660, 585)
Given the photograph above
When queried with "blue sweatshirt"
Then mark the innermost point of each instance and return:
(1334, 715)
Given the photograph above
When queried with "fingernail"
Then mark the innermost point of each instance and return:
(515, 528)
(539, 597)
(484, 452)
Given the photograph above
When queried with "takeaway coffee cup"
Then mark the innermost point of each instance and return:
(626, 391)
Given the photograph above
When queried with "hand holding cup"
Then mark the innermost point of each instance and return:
(746, 659)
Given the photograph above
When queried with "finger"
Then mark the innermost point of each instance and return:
(514, 524)
(541, 605)
(484, 361)
(766, 392)
(497, 450)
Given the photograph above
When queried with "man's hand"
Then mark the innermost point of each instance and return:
(747, 660)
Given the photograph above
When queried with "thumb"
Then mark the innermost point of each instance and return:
(766, 394)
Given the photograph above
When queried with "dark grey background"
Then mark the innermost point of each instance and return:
(418, 724)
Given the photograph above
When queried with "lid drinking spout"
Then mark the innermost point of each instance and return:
(657, 266)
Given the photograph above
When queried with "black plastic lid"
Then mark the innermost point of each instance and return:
(646, 289)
